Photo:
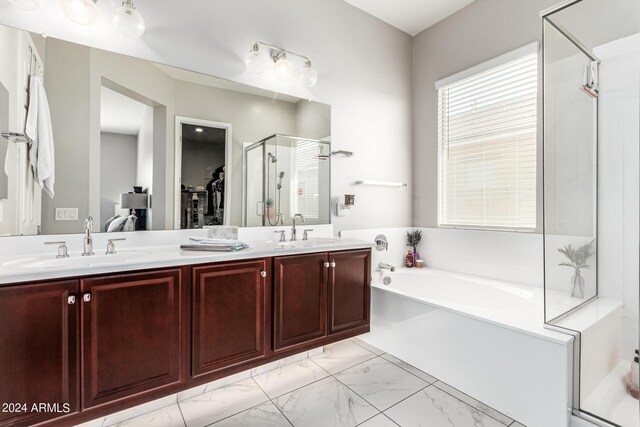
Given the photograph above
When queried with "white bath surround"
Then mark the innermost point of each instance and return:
(480, 335)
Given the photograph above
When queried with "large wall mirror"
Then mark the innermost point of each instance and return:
(143, 146)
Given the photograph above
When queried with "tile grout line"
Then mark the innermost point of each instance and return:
(368, 349)
(379, 413)
(353, 366)
(478, 409)
(412, 394)
(273, 403)
(184, 420)
(472, 407)
(406, 370)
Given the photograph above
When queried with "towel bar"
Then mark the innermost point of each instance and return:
(17, 138)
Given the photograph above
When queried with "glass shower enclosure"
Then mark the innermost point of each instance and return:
(283, 176)
(591, 63)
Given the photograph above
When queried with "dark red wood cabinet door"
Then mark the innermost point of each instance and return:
(300, 299)
(131, 334)
(230, 314)
(38, 352)
(349, 289)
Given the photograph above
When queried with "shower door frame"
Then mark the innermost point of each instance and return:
(575, 372)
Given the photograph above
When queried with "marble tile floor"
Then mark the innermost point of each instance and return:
(349, 384)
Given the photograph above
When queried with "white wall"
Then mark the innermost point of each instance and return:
(512, 257)
(118, 168)
(363, 63)
(145, 159)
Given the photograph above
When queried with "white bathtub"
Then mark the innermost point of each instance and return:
(482, 336)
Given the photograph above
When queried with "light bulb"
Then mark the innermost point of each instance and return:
(128, 20)
(82, 12)
(283, 69)
(27, 4)
(308, 75)
(255, 61)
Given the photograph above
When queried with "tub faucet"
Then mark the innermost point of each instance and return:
(88, 240)
(385, 266)
(294, 236)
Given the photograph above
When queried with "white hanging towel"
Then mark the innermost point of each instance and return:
(40, 132)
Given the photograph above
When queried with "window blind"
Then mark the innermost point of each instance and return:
(305, 199)
(487, 147)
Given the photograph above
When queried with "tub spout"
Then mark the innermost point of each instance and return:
(385, 266)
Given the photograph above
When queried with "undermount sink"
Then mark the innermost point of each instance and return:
(48, 262)
(304, 243)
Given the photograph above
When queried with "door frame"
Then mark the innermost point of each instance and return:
(180, 120)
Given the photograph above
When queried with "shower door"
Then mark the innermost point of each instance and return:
(591, 199)
(570, 177)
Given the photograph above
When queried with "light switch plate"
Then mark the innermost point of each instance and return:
(66, 214)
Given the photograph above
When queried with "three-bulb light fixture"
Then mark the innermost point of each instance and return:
(283, 69)
(126, 18)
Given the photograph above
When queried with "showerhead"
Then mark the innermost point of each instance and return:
(281, 175)
(271, 157)
(592, 92)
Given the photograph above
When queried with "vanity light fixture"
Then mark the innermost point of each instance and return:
(128, 20)
(283, 70)
(82, 12)
(255, 61)
(30, 5)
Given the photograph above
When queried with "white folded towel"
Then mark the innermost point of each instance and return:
(205, 242)
(39, 130)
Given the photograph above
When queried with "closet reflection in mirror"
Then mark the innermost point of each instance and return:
(142, 146)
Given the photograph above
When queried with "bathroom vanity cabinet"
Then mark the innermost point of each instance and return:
(318, 295)
(101, 344)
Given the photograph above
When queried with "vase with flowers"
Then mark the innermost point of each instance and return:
(413, 239)
(577, 259)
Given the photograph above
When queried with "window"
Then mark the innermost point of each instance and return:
(305, 198)
(487, 144)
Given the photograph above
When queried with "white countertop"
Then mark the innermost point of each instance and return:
(14, 269)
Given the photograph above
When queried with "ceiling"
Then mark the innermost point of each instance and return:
(119, 113)
(411, 16)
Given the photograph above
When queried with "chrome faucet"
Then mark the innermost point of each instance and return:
(294, 236)
(88, 240)
(385, 266)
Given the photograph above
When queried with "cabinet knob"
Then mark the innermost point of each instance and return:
(327, 265)
(71, 299)
(263, 274)
(332, 264)
(86, 297)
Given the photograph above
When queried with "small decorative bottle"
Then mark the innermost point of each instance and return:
(409, 259)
